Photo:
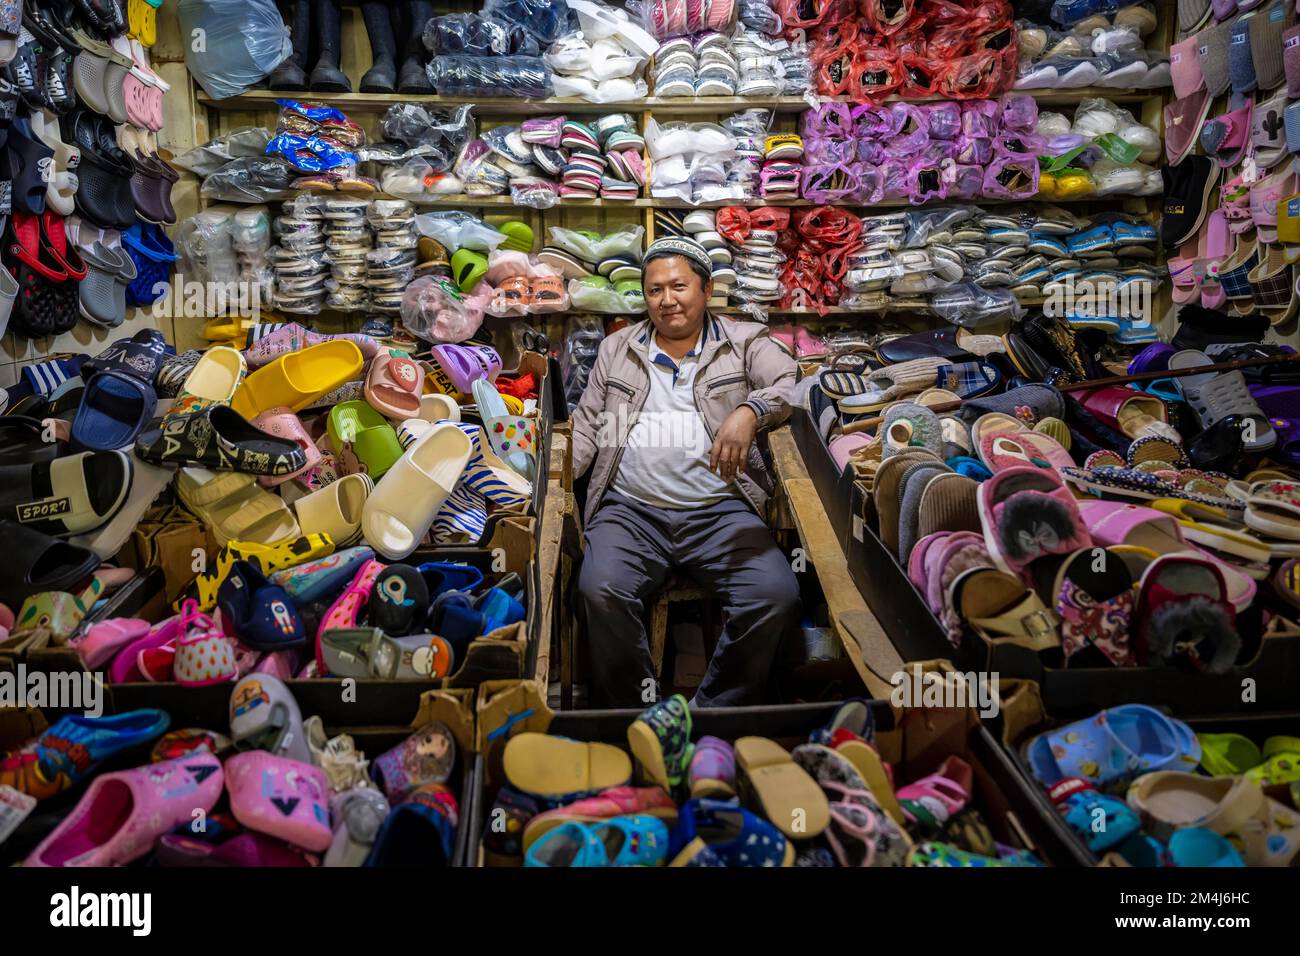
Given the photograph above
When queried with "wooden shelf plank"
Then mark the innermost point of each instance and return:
(380, 102)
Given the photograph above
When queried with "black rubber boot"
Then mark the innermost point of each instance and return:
(413, 78)
(327, 77)
(290, 74)
(382, 76)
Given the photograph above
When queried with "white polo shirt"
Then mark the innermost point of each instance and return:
(665, 461)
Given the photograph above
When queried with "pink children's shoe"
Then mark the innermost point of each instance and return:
(122, 814)
(280, 797)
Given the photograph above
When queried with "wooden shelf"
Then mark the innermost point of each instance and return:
(895, 305)
(472, 202)
(257, 100)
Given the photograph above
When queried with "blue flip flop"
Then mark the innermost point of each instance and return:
(1113, 747)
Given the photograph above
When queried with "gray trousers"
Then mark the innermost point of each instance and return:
(631, 549)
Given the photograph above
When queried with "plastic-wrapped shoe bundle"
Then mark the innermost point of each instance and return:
(604, 60)
(691, 162)
(527, 77)
(674, 18)
(769, 66)
(390, 266)
(1104, 48)
(703, 65)
(298, 260)
(758, 16)
(250, 235)
(347, 242)
(443, 133)
(582, 339)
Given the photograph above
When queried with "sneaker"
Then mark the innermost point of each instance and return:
(660, 740)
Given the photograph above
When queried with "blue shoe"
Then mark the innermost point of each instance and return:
(723, 829)
(1133, 233)
(73, 748)
(1197, 846)
(1096, 239)
(442, 576)
(499, 609)
(324, 577)
(1132, 333)
(1078, 803)
(623, 841)
(260, 613)
(854, 715)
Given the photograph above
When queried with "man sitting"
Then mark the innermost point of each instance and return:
(668, 421)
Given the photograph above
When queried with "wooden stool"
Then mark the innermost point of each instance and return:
(679, 589)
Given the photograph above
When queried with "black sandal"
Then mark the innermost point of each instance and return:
(40, 563)
(220, 438)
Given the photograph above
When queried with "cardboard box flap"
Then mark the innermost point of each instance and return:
(505, 708)
(455, 708)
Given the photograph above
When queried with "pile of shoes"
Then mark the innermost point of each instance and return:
(1091, 47)
(83, 154)
(603, 60)
(348, 242)
(603, 271)
(711, 802)
(390, 265)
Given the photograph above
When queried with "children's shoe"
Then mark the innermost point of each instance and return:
(556, 767)
(427, 756)
(323, 577)
(718, 833)
(268, 558)
(507, 827)
(258, 612)
(416, 834)
(401, 601)
(122, 814)
(713, 770)
(614, 802)
(71, 750)
(622, 841)
(660, 740)
(944, 854)
(1078, 802)
(282, 798)
(264, 716)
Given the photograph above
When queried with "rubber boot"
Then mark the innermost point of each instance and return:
(290, 74)
(382, 76)
(327, 77)
(413, 78)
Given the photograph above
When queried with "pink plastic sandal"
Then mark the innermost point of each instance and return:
(283, 423)
(122, 814)
(393, 387)
(943, 794)
(283, 798)
(125, 668)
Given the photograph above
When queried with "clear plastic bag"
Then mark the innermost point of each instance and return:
(251, 181)
(494, 76)
(235, 43)
(589, 296)
(466, 34)
(205, 246)
(245, 142)
(534, 192)
(582, 339)
(447, 131)
(436, 311)
(417, 179)
(625, 241)
(970, 306)
(548, 20)
(455, 229)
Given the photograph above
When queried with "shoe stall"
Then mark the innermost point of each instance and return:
(299, 297)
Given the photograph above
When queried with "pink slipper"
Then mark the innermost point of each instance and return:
(292, 337)
(393, 387)
(101, 641)
(283, 423)
(122, 814)
(1027, 513)
(346, 609)
(1002, 450)
(1217, 246)
(280, 797)
(125, 667)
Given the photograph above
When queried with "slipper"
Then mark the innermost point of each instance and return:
(1197, 846)
(241, 513)
(549, 766)
(401, 600)
(412, 657)
(437, 407)
(712, 773)
(66, 496)
(399, 512)
(125, 667)
(1224, 755)
(1112, 747)
(771, 780)
(936, 798)
(363, 441)
(47, 564)
(320, 578)
(1210, 527)
(283, 423)
(1273, 508)
(203, 654)
(122, 814)
(997, 606)
(283, 798)
(358, 816)
(427, 756)
(101, 641)
(213, 380)
(346, 651)
(462, 365)
(220, 438)
(258, 612)
(1027, 513)
(717, 833)
(660, 740)
(298, 379)
(910, 424)
(1079, 805)
(393, 386)
(1094, 602)
(1184, 614)
(1279, 764)
(1002, 450)
(335, 510)
(114, 409)
(264, 716)
(441, 577)
(1128, 411)
(140, 356)
(614, 802)
(73, 747)
(345, 612)
(1267, 831)
(511, 437)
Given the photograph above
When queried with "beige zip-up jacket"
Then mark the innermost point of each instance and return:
(740, 364)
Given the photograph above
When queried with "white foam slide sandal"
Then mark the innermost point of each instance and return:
(401, 509)
(336, 509)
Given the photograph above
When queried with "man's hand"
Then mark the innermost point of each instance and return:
(731, 445)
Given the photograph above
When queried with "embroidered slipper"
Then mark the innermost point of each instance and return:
(1092, 595)
(258, 612)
